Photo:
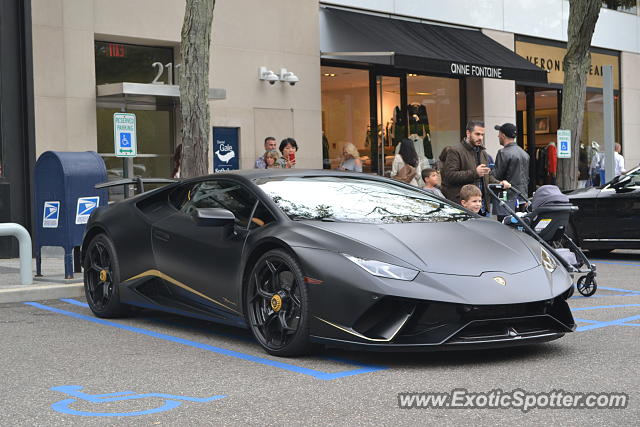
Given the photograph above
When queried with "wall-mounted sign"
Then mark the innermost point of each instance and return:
(550, 58)
(476, 71)
(225, 149)
(564, 143)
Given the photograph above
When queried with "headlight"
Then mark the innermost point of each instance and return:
(382, 269)
(548, 262)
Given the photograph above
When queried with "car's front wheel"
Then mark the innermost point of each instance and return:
(277, 304)
(102, 278)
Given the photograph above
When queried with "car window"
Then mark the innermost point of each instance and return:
(349, 199)
(261, 217)
(634, 182)
(220, 194)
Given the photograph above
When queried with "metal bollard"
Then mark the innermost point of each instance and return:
(24, 240)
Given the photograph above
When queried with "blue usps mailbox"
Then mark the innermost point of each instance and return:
(65, 197)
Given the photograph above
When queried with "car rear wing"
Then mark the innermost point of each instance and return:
(137, 181)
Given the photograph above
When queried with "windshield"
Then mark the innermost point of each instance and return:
(349, 199)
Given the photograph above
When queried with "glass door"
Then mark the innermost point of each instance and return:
(392, 123)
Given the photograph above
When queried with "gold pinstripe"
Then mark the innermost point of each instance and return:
(161, 275)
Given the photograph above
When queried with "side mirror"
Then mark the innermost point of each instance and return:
(214, 217)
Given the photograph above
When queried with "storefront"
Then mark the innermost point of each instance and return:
(116, 65)
(539, 106)
(384, 79)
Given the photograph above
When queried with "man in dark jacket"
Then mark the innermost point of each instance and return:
(512, 164)
(466, 163)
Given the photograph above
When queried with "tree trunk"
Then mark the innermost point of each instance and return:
(583, 15)
(194, 87)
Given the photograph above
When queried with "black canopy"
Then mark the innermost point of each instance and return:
(421, 47)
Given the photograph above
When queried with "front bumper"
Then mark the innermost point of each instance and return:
(401, 324)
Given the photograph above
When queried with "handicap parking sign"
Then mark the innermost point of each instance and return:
(51, 214)
(564, 144)
(125, 139)
(86, 205)
(124, 135)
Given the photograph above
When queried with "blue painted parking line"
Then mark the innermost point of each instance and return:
(75, 302)
(608, 323)
(618, 289)
(598, 321)
(605, 306)
(172, 401)
(595, 324)
(168, 322)
(248, 357)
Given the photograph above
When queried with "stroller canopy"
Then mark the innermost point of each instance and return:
(548, 194)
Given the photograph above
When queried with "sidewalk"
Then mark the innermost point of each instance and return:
(52, 285)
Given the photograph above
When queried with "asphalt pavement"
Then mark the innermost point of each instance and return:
(62, 366)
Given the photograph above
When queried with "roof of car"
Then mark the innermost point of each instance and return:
(252, 174)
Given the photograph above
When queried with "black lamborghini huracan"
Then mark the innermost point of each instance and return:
(308, 256)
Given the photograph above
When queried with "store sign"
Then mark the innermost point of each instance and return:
(550, 58)
(564, 143)
(124, 135)
(225, 149)
(475, 70)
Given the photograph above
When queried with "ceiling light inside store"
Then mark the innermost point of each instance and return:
(329, 74)
(424, 93)
(412, 75)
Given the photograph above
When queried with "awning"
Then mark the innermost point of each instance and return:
(419, 47)
(149, 89)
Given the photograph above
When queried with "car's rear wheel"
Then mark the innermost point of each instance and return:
(277, 304)
(102, 278)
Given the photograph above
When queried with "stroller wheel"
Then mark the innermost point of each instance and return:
(587, 285)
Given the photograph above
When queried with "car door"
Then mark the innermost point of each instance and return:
(618, 207)
(205, 260)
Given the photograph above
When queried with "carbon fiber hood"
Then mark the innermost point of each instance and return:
(467, 248)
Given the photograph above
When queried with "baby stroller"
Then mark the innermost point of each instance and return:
(546, 218)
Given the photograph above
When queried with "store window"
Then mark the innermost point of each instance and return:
(434, 112)
(119, 62)
(431, 117)
(155, 116)
(627, 6)
(547, 123)
(345, 114)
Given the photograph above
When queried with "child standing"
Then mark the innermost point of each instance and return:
(432, 181)
(271, 159)
(471, 198)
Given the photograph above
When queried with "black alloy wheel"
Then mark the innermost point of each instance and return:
(101, 278)
(277, 304)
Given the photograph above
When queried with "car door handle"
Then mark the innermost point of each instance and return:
(161, 235)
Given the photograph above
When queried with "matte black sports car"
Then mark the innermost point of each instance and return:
(344, 259)
(609, 216)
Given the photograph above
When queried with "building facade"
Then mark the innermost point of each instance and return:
(362, 79)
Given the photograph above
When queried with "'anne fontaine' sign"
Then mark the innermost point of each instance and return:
(476, 70)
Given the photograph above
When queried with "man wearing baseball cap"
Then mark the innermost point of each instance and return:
(512, 164)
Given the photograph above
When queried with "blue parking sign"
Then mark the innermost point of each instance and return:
(125, 139)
